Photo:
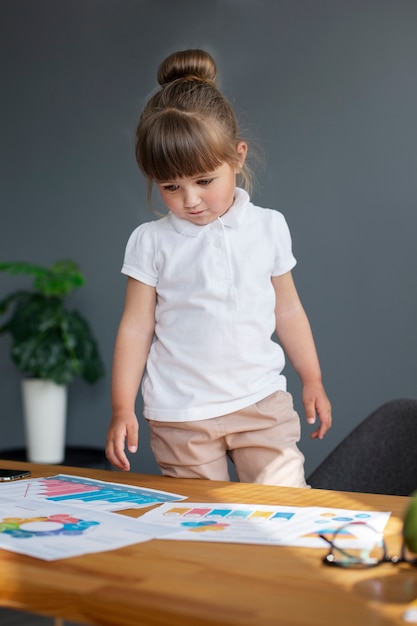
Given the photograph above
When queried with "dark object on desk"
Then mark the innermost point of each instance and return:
(378, 456)
(6, 475)
(74, 455)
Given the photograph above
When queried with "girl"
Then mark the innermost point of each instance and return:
(208, 285)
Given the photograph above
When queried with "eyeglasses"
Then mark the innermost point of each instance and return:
(358, 545)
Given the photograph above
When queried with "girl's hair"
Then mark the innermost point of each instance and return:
(187, 127)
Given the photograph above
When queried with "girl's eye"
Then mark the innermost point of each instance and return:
(205, 181)
(170, 187)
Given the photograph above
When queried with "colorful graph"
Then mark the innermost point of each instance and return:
(229, 513)
(67, 489)
(208, 519)
(50, 530)
(199, 527)
(60, 524)
(337, 520)
(260, 523)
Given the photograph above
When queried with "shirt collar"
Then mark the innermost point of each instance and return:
(231, 219)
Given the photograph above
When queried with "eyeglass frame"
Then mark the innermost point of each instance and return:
(357, 564)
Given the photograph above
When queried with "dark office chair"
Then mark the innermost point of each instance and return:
(378, 456)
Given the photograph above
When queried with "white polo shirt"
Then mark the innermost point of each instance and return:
(212, 352)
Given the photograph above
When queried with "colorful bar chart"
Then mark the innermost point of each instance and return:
(76, 490)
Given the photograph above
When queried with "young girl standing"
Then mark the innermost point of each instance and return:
(208, 284)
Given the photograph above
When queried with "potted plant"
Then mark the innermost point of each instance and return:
(50, 345)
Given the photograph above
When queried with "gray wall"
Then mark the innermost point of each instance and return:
(328, 90)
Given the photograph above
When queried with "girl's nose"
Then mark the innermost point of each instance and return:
(191, 199)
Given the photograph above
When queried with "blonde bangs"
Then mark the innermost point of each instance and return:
(177, 145)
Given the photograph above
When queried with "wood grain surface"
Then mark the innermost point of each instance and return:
(176, 583)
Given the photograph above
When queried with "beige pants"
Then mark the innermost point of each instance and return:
(261, 440)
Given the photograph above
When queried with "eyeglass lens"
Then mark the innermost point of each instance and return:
(356, 545)
(359, 545)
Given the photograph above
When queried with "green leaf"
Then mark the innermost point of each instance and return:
(59, 280)
(48, 341)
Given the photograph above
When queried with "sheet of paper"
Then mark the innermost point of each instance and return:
(51, 531)
(258, 524)
(79, 491)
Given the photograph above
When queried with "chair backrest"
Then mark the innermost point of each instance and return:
(378, 456)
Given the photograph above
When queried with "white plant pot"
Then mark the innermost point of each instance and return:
(45, 416)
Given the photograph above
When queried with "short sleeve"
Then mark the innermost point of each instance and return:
(284, 258)
(140, 255)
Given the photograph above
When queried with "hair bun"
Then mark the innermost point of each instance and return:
(196, 64)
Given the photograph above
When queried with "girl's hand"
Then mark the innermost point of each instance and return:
(316, 402)
(124, 429)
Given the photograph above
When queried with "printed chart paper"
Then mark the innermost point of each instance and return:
(78, 491)
(50, 531)
(259, 524)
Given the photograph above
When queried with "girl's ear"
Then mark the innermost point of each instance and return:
(241, 150)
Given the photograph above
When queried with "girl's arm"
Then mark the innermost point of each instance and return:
(295, 336)
(133, 343)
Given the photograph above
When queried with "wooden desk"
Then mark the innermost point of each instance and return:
(174, 583)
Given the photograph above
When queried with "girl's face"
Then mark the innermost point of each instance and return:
(202, 199)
